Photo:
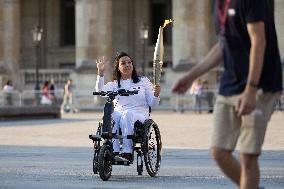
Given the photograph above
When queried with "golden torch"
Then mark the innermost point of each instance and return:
(159, 54)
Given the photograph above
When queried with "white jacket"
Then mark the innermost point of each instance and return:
(138, 102)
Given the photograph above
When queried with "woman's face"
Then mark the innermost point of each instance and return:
(125, 67)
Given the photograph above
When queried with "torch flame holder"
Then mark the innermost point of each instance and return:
(157, 66)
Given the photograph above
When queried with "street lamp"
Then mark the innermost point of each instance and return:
(144, 37)
(37, 35)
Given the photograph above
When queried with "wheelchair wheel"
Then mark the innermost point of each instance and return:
(105, 162)
(151, 147)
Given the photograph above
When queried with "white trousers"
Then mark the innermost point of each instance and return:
(125, 120)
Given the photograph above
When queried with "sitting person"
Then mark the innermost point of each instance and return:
(8, 93)
(127, 109)
(46, 98)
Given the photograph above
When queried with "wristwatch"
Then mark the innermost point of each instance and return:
(252, 84)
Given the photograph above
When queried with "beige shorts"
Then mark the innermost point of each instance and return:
(247, 132)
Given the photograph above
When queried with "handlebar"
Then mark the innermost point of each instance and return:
(120, 92)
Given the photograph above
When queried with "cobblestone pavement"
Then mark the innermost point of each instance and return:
(58, 154)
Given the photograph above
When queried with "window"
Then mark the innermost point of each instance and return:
(160, 11)
(67, 22)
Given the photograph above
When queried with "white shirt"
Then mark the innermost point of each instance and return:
(138, 102)
(8, 89)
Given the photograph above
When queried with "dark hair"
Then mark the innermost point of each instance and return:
(8, 82)
(116, 73)
(46, 83)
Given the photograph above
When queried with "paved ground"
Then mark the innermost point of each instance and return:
(57, 154)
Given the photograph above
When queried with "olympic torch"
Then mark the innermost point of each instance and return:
(159, 54)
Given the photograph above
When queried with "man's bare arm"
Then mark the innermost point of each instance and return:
(212, 59)
(247, 101)
(258, 42)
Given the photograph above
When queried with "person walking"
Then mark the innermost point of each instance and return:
(250, 85)
(198, 92)
(68, 98)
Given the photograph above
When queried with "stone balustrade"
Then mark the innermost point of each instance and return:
(60, 76)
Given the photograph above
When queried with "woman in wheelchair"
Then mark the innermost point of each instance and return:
(127, 109)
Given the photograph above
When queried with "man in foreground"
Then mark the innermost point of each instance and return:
(250, 85)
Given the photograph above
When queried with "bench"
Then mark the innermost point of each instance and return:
(29, 112)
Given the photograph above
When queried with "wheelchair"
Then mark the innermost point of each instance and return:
(146, 141)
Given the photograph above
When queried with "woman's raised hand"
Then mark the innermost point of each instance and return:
(157, 90)
(102, 64)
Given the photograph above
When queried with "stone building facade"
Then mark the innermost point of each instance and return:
(75, 32)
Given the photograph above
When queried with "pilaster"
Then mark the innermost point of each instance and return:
(279, 15)
(93, 38)
(191, 31)
(10, 42)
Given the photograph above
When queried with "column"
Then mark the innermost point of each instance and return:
(10, 41)
(2, 69)
(93, 30)
(279, 15)
(93, 39)
(191, 31)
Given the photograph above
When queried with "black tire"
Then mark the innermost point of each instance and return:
(151, 147)
(95, 163)
(97, 146)
(140, 169)
(105, 162)
(139, 163)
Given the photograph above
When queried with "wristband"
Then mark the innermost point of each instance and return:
(252, 84)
